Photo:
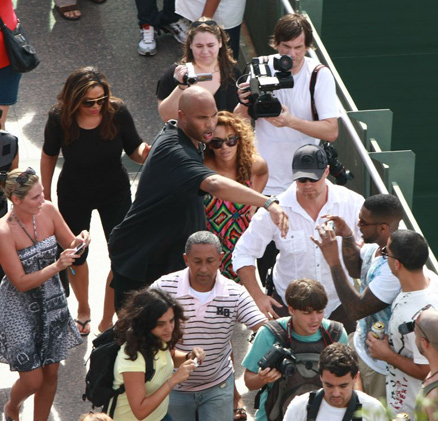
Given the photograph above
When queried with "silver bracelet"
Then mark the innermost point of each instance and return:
(270, 201)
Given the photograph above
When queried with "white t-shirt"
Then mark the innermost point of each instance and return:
(372, 409)
(229, 13)
(377, 276)
(163, 365)
(402, 389)
(278, 145)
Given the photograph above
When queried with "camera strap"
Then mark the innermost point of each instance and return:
(312, 84)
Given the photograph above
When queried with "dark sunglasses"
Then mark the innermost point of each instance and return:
(305, 180)
(23, 178)
(385, 254)
(88, 103)
(217, 142)
(207, 22)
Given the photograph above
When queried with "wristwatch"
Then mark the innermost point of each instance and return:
(270, 201)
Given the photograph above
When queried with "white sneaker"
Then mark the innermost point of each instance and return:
(178, 29)
(147, 45)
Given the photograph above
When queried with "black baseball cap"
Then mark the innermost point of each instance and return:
(310, 161)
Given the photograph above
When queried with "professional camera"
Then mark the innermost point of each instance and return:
(282, 359)
(261, 84)
(337, 169)
(190, 78)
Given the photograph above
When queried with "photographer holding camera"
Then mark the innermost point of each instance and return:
(207, 60)
(274, 368)
(279, 137)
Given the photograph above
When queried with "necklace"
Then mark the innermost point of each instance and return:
(24, 229)
(429, 377)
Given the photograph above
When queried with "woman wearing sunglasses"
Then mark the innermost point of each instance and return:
(207, 50)
(35, 323)
(150, 323)
(232, 153)
(92, 129)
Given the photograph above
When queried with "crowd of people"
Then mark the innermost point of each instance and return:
(215, 194)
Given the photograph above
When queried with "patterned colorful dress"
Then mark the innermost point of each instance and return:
(228, 221)
(36, 328)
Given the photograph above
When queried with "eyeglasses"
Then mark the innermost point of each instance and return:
(385, 253)
(363, 223)
(217, 142)
(417, 323)
(23, 178)
(408, 327)
(199, 23)
(305, 180)
(88, 103)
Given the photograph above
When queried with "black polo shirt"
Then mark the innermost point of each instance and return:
(168, 208)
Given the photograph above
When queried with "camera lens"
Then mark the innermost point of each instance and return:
(283, 64)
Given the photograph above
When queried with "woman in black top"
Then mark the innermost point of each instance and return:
(207, 49)
(92, 129)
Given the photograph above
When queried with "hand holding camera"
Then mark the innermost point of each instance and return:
(186, 75)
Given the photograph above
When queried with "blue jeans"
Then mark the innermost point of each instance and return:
(148, 14)
(215, 403)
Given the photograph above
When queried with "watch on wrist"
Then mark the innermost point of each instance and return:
(270, 201)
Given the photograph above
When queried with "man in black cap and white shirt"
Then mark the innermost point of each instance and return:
(307, 201)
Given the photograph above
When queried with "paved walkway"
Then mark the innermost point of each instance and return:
(106, 37)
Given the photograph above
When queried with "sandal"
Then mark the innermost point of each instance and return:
(240, 414)
(64, 10)
(83, 326)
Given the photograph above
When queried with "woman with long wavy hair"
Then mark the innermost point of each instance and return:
(232, 154)
(150, 323)
(207, 50)
(92, 128)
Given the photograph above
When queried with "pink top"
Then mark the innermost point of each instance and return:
(10, 19)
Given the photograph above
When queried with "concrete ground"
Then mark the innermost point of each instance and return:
(106, 37)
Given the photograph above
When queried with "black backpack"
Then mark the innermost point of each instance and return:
(306, 379)
(100, 376)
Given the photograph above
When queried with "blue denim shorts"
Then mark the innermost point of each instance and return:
(9, 81)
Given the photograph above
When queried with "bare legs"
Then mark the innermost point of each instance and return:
(41, 382)
(5, 110)
(79, 283)
(108, 306)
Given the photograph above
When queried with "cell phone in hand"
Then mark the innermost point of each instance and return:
(79, 248)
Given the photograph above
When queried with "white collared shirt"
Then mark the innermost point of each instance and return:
(299, 257)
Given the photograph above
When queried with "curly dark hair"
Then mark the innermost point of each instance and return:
(70, 99)
(225, 56)
(139, 316)
(339, 359)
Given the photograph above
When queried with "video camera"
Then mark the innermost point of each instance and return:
(262, 83)
(282, 359)
(191, 78)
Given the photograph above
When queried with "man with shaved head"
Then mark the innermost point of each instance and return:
(149, 242)
(426, 338)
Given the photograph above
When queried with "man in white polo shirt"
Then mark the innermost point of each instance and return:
(213, 304)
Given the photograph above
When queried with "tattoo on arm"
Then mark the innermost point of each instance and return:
(351, 256)
(355, 304)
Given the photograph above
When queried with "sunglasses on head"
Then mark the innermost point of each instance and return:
(23, 178)
(217, 142)
(88, 103)
(306, 179)
(207, 22)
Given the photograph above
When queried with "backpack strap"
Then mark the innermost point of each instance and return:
(315, 399)
(312, 84)
(353, 406)
(333, 333)
(278, 331)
